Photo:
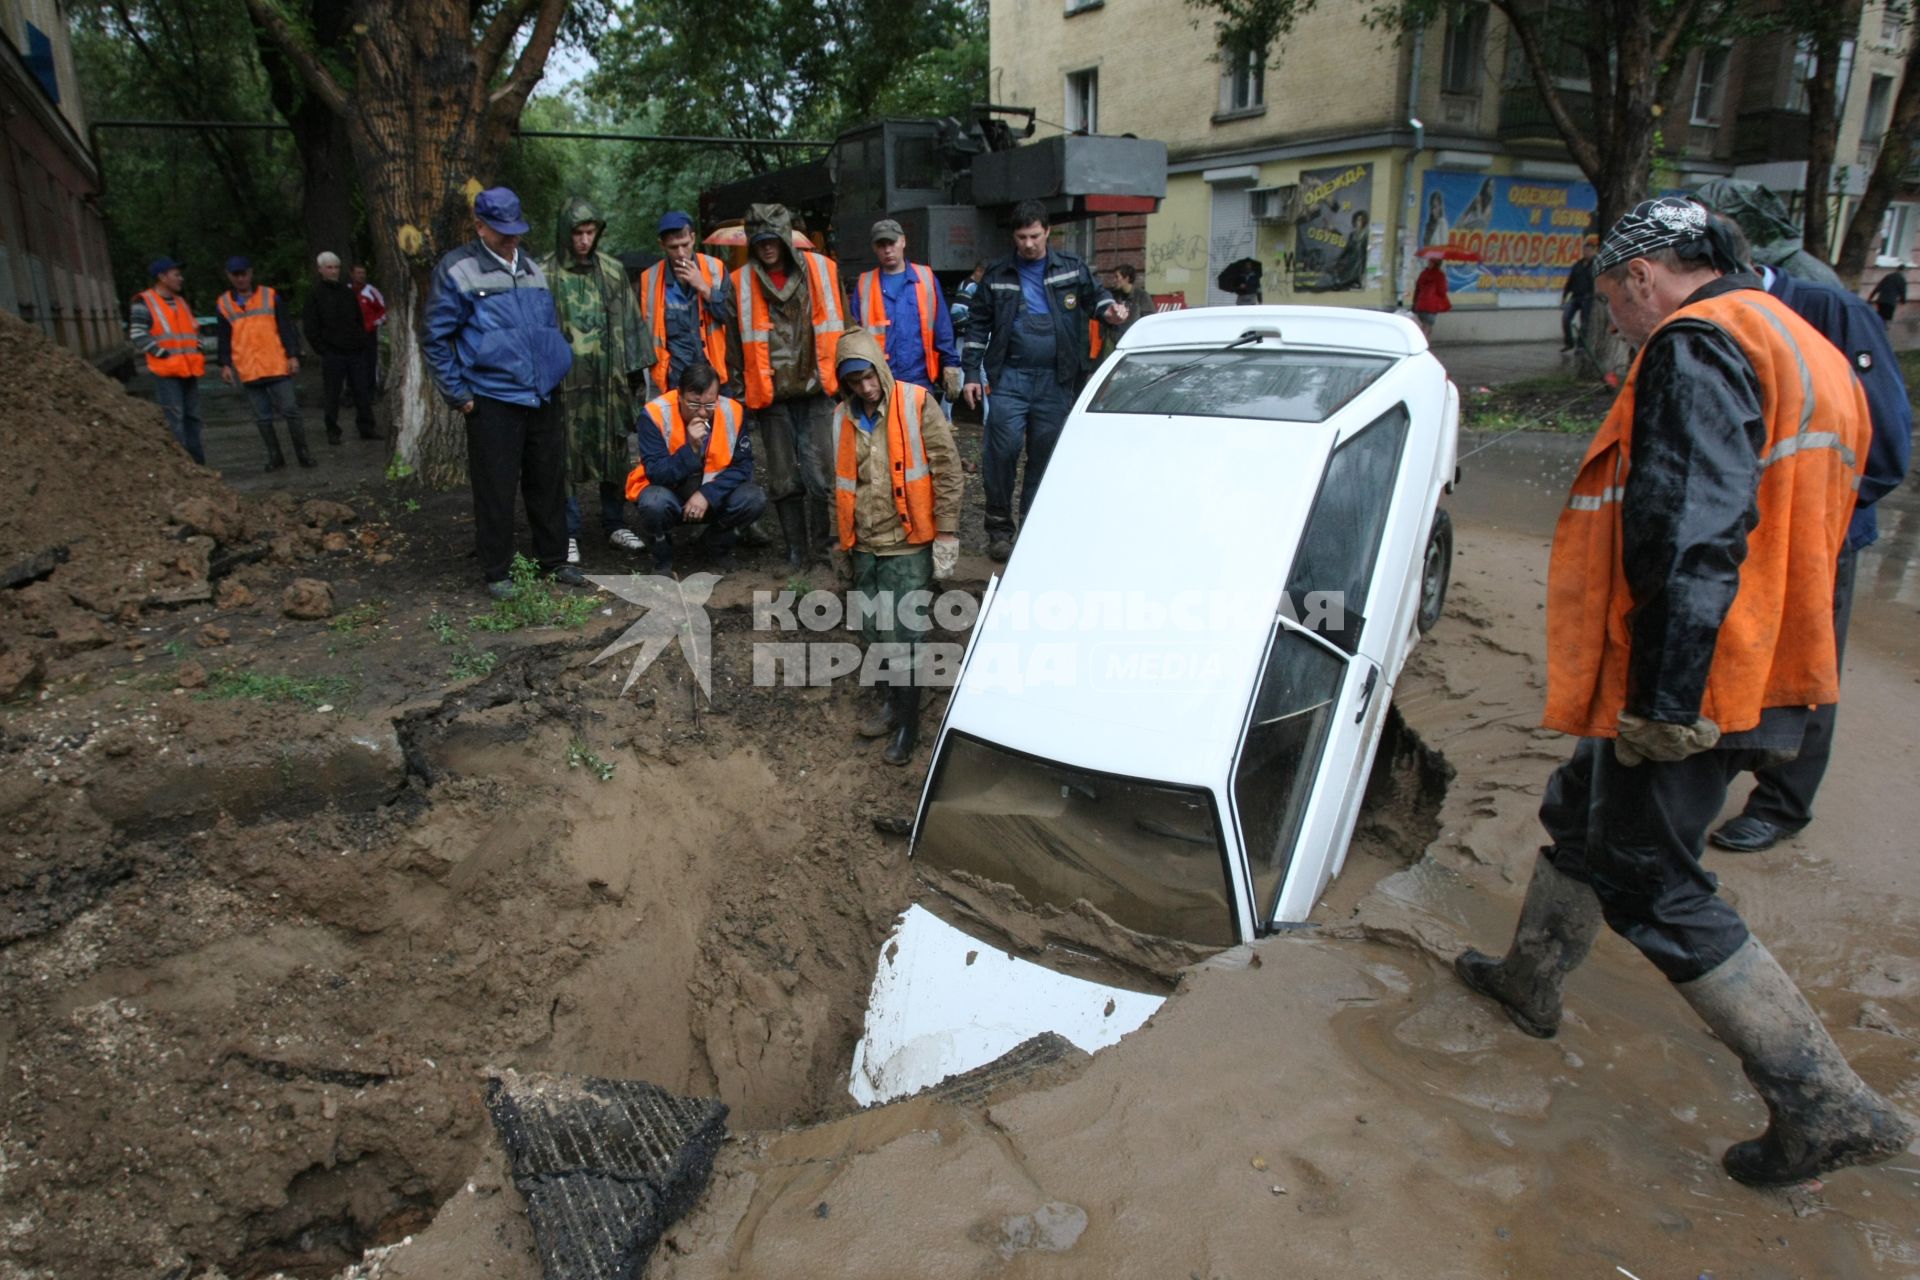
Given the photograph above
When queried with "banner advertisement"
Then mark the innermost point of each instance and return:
(1332, 238)
(1526, 232)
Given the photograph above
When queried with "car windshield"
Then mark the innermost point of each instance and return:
(1146, 854)
(1281, 386)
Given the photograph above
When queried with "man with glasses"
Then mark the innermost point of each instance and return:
(695, 467)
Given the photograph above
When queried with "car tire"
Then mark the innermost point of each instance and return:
(1436, 570)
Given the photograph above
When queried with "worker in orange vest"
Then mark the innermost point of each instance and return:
(902, 304)
(260, 351)
(897, 491)
(686, 303)
(790, 317)
(162, 328)
(695, 467)
(1690, 635)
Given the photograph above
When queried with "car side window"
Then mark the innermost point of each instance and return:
(1281, 755)
(1333, 568)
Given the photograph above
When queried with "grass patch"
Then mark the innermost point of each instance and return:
(468, 660)
(1575, 406)
(313, 691)
(370, 614)
(538, 604)
(581, 756)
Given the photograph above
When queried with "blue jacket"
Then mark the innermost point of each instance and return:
(1853, 326)
(494, 334)
(1074, 297)
(906, 359)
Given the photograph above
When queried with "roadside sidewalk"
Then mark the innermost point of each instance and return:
(1485, 364)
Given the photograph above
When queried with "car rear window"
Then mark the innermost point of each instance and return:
(1280, 386)
(1147, 854)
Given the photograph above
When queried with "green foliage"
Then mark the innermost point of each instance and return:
(581, 756)
(398, 469)
(547, 172)
(468, 661)
(538, 603)
(411, 504)
(258, 687)
(371, 613)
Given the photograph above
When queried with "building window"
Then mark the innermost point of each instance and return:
(1806, 65)
(40, 61)
(1083, 101)
(1461, 64)
(1879, 110)
(1711, 88)
(1243, 84)
(1896, 232)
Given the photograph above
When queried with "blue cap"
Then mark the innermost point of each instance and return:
(162, 265)
(854, 364)
(499, 208)
(674, 220)
(236, 264)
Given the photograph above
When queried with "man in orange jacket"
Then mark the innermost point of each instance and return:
(1690, 633)
(162, 328)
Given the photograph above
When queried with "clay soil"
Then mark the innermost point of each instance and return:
(279, 894)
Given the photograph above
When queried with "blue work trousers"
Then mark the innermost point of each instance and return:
(179, 401)
(1033, 406)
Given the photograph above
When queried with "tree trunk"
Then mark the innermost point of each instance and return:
(1823, 132)
(1896, 148)
(327, 182)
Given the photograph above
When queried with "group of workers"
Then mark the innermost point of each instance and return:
(258, 348)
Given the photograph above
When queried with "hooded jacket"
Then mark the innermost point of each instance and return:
(877, 524)
(795, 327)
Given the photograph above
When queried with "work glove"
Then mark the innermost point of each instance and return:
(1643, 739)
(946, 557)
(950, 382)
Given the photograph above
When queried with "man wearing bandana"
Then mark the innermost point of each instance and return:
(1690, 628)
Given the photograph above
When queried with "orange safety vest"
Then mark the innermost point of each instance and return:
(721, 438)
(653, 306)
(756, 327)
(1093, 338)
(176, 337)
(1776, 646)
(873, 312)
(906, 456)
(255, 342)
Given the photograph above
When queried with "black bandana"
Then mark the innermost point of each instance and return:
(1650, 226)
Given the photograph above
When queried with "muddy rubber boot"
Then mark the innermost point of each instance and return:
(906, 703)
(275, 459)
(1821, 1115)
(1558, 923)
(298, 434)
(885, 718)
(793, 528)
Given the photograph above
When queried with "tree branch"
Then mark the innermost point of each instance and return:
(510, 97)
(300, 54)
(497, 37)
(1578, 143)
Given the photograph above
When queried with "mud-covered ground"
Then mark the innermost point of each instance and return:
(278, 894)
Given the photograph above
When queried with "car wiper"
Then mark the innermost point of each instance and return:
(1251, 335)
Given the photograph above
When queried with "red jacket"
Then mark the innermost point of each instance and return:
(1430, 290)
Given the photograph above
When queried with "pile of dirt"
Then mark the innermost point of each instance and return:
(106, 515)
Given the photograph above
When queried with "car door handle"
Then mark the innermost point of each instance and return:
(1366, 693)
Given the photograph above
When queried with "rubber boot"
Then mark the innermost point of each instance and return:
(275, 459)
(906, 708)
(661, 549)
(820, 531)
(1821, 1116)
(1558, 923)
(298, 434)
(793, 527)
(885, 718)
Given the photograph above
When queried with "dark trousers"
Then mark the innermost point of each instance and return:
(354, 371)
(274, 398)
(1783, 794)
(1029, 409)
(659, 510)
(1636, 836)
(179, 401)
(1570, 310)
(519, 446)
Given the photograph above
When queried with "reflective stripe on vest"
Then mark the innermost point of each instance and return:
(653, 305)
(912, 478)
(254, 343)
(176, 337)
(756, 328)
(722, 438)
(1775, 647)
(873, 312)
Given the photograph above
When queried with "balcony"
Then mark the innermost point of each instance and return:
(1524, 116)
(1774, 134)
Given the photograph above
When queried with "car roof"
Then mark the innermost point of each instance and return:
(1321, 328)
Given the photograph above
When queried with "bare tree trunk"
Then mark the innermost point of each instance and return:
(1896, 149)
(1823, 130)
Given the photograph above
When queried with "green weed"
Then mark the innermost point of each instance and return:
(398, 470)
(581, 756)
(538, 604)
(258, 687)
(369, 614)
(411, 504)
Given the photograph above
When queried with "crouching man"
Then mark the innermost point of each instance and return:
(695, 467)
(897, 485)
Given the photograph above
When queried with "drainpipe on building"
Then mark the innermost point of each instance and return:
(1409, 199)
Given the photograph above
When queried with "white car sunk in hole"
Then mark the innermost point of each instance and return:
(1161, 732)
